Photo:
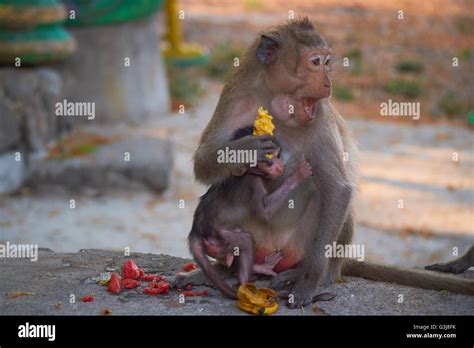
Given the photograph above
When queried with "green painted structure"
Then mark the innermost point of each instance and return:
(32, 32)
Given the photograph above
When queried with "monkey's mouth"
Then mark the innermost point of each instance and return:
(309, 107)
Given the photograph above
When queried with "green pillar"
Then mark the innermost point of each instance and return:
(32, 32)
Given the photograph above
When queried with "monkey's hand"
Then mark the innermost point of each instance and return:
(284, 279)
(303, 171)
(269, 264)
(196, 277)
(263, 144)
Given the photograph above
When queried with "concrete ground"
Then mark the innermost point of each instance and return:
(55, 276)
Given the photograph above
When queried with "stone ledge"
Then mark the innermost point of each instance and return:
(57, 275)
(148, 166)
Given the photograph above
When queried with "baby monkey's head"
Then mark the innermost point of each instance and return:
(275, 169)
(270, 168)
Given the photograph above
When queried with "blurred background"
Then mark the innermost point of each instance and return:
(153, 71)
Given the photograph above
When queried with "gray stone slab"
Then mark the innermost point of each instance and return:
(12, 173)
(132, 160)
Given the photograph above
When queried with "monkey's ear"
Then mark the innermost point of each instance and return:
(267, 49)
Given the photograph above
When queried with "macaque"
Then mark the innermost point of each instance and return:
(286, 71)
(228, 209)
(457, 266)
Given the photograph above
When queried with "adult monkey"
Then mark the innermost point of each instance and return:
(286, 72)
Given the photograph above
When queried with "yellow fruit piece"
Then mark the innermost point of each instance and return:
(262, 301)
(104, 282)
(263, 124)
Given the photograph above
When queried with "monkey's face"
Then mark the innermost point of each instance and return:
(273, 171)
(297, 102)
(297, 64)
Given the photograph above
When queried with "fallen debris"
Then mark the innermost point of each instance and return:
(16, 294)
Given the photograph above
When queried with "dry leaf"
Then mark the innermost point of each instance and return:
(15, 294)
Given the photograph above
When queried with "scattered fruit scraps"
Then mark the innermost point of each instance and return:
(155, 288)
(87, 298)
(150, 277)
(188, 267)
(132, 275)
(151, 291)
(114, 284)
(262, 301)
(130, 283)
(130, 270)
(196, 293)
(104, 282)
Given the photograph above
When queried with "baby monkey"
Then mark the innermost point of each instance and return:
(228, 210)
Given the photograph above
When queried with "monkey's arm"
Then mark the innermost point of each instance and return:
(229, 116)
(210, 169)
(272, 202)
(335, 190)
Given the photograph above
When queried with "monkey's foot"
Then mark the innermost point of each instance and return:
(302, 293)
(299, 299)
(196, 277)
(455, 267)
(284, 279)
(325, 296)
(269, 264)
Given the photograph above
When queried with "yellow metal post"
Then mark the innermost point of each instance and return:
(174, 49)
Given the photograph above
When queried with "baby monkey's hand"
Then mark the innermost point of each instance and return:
(303, 171)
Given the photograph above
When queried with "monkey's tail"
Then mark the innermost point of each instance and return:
(196, 246)
(418, 278)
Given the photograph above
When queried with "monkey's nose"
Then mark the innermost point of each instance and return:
(327, 85)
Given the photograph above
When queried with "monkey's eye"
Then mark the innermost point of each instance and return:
(328, 61)
(316, 61)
